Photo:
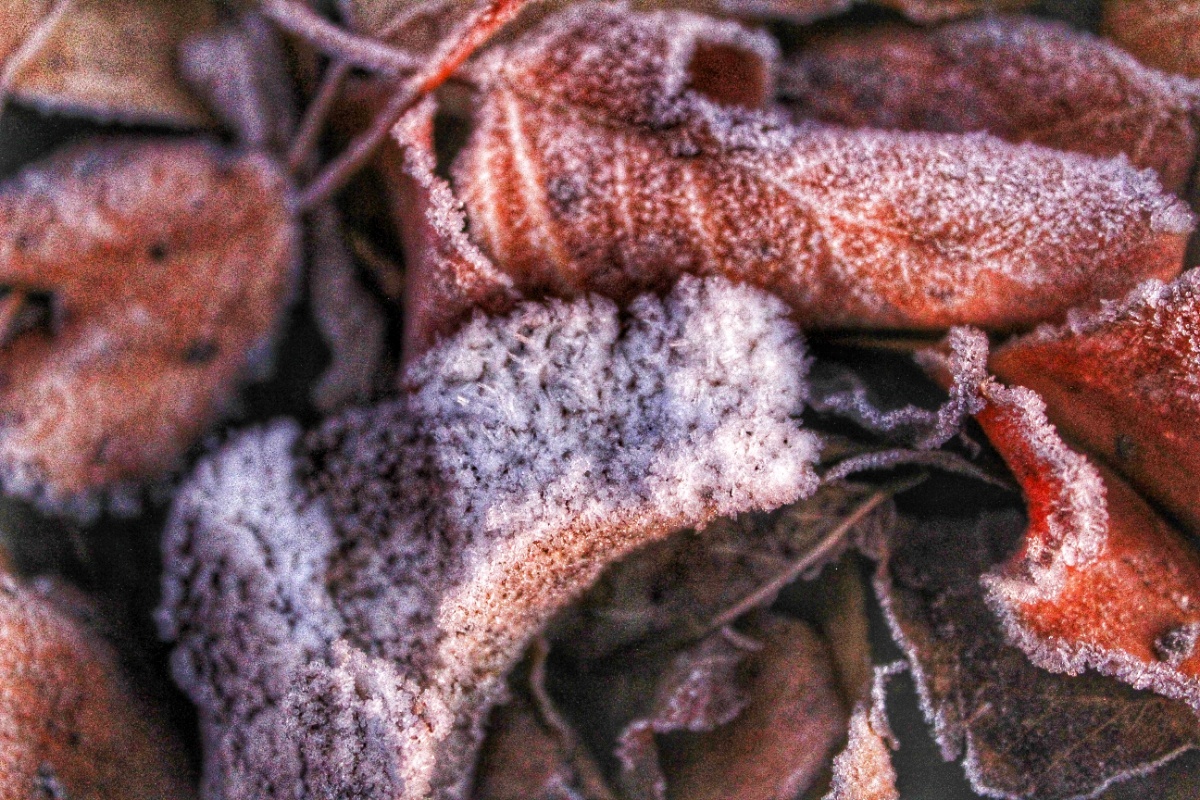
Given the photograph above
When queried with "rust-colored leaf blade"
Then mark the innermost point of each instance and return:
(1124, 383)
(71, 722)
(1021, 79)
(111, 59)
(1100, 580)
(168, 265)
(593, 169)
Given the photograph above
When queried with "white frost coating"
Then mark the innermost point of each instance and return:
(449, 525)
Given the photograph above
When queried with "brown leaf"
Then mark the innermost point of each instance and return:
(112, 59)
(71, 723)
(927, 11)
(167, 265)
(1124, 384)
(1162, 33)
(769, 743)
(593, 168)
(1021, 79)
(1100, 580)
(521, 759)
(1024, 732)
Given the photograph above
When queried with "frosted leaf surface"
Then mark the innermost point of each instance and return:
(598, 165)
(434, 535)
(1162, 33)
(1100, 580)
(863, 770)
(1124, 382)
(85, 64)
(169, 264)
(1022, 732)
(1020, 79)
(72, 723)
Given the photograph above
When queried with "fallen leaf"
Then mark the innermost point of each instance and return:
(521, 759)
(109, 59)
(776, 745)
(167, 265)
(1124, 383)
(863, 770)
(446, 527)
(1024, 732)
(1162, 33)
(1020, 79)
(71, 722)
(594, 169)
(928, 11)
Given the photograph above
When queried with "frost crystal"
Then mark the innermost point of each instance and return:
(345, 616)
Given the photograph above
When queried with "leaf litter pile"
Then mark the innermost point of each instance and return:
(499, 399)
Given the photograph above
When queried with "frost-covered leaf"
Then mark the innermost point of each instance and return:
(1021, 79)
(71, 721)
(166, 265)
(1024, 732)
(1162, 33)
(607, 157)
(1124, 383)
(111, 59)
(863, 770)
(443, 529)
(1101, 580)
(756, 724)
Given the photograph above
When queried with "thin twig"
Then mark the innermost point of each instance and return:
(10, 307)
(337, 42)
(477, 30)
(594, 786)
(29, 48)
(766, 593)
(304, 145)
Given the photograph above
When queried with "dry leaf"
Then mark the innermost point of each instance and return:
(1100, 580)
(521, 759)
(167, 265)
(1023, 80)
(448, 526)
(111, 59)
(863, 770)
(594, 168)
(781, 740)
(1025, 733)
(1124, 383)
(927, 11)
(71, 723)
(1162, 33)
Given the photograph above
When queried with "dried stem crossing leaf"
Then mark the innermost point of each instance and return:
(1020, 79)
(167, 265)
(111, 59)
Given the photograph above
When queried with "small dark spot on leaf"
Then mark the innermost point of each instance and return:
(200, 351)
(1125, 447)
(1177, 645)
(157, 252)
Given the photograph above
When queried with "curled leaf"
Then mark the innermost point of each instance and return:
(1023, 80)
(604, 160)
(1100, 580)
(71, 722)
(166, 265)
(1023, 732)
(111, 59)
(1124, 383)
(1162, 33)
(445, 528)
